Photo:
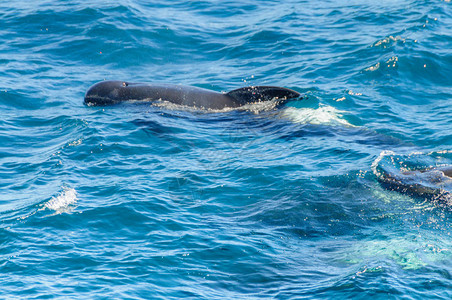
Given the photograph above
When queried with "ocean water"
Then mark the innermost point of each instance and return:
(157, 201)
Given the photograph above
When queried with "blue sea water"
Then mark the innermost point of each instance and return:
(158, 201)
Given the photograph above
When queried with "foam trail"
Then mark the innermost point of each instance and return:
(324, 115)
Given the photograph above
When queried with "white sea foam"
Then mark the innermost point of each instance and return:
(324, 115)
(63, 202)
(255, 107)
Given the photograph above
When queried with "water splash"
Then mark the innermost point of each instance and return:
(64, 202)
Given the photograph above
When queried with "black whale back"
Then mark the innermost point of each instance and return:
(112, 92)
(253, 94)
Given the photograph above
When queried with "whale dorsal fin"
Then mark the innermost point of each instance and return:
(252, 94)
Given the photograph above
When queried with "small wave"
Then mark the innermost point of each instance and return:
(63, 202)
(388, 41)
(376, 162)
(324, 115)
(373, 68)
(388, 64)
(75, 143)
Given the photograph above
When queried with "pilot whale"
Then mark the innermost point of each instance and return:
(433, 183)
(113, 92)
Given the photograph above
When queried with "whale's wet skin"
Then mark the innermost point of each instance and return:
(112, 92)
(416, 176)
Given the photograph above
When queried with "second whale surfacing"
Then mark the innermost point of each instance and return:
(424, 176)
(432, 183)
(113, 92)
